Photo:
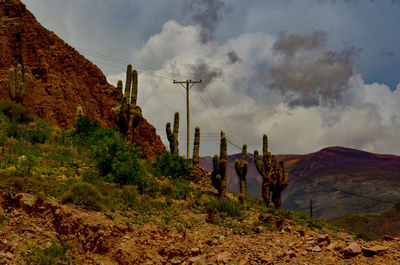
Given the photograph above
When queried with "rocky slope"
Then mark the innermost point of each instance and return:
(373, 225)
(60, 78)
(311, 176)
(94, 238)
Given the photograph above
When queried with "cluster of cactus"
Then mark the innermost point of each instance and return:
(173, 135)
(241, 170)
(218, 176)
(18, 86)
(274, 179)
(126, 112)
(196, 146)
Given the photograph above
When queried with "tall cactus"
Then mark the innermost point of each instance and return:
(241, 170)
(266, 169)
(125, 111)
(18, 87)
(196, 146)
(218, 176)
(279, 183)
(173, 135)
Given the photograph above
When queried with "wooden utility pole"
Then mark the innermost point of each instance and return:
(188, 86)
(310, 207)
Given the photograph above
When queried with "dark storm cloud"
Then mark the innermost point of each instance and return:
(204, 72)
(387, 53)
(233, 57)
(208, 14)
(318, 77)
(289, 44)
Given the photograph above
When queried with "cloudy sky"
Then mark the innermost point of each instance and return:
(309, 73)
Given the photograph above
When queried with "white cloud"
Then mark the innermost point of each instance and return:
(246, 109)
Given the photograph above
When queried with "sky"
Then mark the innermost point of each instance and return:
(308, 73)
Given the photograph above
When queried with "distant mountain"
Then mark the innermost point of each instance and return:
(373, 225)
(331, 177)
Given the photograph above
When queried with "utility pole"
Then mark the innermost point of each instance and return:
(189, 84)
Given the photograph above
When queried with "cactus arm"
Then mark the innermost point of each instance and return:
(259, 165)
(223, 164)
(223, 148)
(119, 91)
(219, 165)
(244, 152)
(128, 82)
(25, 84)
(11, 83)
(238, 167)
(244, 169)
(196, 146)
(134, 87)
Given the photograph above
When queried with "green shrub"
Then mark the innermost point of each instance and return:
(91, 175)
(84, 127)
(34, 132)
(15, 112)
(119, 162)
(226, 207)
(173, 165)
(129, 194)
(55, 254)
(85, 194)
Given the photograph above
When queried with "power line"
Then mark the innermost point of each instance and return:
(107, 60)
(340, 190)
(215, 105)
(124, 62)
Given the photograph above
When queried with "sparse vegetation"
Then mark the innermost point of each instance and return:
(170, 164)
(85, 194)
(54, 254)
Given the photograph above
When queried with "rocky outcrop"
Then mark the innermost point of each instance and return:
(144, 136)
(60, 78)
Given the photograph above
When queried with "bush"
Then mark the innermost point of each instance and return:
(129, 194)
(34, 132)
(173, 165)
(84, 127)
(55, 254)
(85, 194)
(91, 175)
(119, 162)
(226, 207)
(15, 112)
(178, 189)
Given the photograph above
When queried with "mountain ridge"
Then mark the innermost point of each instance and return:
(321, 175)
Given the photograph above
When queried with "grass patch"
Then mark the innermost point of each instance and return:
(85, 194)
(54, 254)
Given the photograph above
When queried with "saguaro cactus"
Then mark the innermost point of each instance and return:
(196, 146)
(265, 168)
(173, 135)
(218, 176)
(125, 111)
(241, 170)
(17, 87)
(279, 183)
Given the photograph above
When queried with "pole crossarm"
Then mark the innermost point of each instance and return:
(189, 84)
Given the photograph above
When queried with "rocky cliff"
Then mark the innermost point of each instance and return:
(60, 78)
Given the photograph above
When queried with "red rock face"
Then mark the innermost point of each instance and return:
(60, 78)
